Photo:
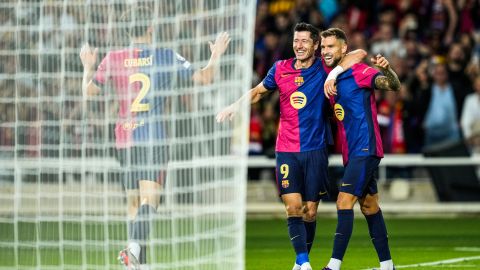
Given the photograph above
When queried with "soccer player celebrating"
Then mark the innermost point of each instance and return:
(139, 74)
(353, 102)
(301, 152)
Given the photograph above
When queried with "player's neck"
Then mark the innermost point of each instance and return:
(142, 40)
(303, 64)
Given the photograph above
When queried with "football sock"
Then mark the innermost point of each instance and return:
(310, 228)
(142, 228)
(378, 233)
(134, 248)
(334, 264)
(130, 229)
(296, 230)
(386, 265)
(343, 233)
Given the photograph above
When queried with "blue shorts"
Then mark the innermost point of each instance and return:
(359, 178)
(143, 163)
(303, 172)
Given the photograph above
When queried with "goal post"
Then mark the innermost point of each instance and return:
(62, 195)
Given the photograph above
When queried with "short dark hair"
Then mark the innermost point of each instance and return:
(334, 32)
(137, 20)
(305, 27)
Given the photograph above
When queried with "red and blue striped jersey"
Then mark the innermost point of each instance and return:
(356, 112)
(302, 116)
(141, 78)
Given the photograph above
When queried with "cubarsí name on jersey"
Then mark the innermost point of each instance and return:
(138, 62)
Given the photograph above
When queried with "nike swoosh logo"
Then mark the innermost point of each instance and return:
(322, 193)
(294, 237)
(284, 75)
(344, 185)
(338, 234)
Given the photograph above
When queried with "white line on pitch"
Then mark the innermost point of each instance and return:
(462, 259)
(472, 249)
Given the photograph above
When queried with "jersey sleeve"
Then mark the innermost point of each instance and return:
(365, 75)
(101, 75)
(185, 70)
(269, 80)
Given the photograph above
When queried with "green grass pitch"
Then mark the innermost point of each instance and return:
(412, 241)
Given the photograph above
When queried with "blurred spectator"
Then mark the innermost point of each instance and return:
(471, 117)
(440, 105)
(386, 43)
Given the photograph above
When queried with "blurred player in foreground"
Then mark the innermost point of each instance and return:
(354, 106)
(301, 148)
(139, 73)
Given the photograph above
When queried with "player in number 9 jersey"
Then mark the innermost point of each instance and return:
(301, 148)
(140, 75)
(355, 111)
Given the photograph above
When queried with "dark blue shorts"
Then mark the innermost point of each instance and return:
(303, 172)
(360, 174)
(143, 163)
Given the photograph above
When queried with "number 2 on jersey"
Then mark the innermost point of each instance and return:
(137, 106)
(284, 170)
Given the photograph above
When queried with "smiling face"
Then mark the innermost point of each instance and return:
(303, 46)
(333, 50)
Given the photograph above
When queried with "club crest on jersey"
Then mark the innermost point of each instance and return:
(299, 80)
(298, 100)
(339, 112)
(285, 183)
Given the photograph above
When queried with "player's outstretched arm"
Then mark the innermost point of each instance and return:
(254, 95)
(218, 48)
(389, 80)
(88, 58)
(347, 62)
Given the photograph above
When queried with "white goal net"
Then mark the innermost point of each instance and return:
(64, 164)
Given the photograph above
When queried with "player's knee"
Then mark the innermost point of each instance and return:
(346, 201)
(310, 215)
(294, 210)
(369, 208)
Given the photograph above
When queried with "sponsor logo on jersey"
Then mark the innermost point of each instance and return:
(285, 183)
(138, 62)
(132, 125)
(299, 80)
(339, 112)
(298, 100)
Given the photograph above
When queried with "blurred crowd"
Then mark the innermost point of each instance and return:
(433, 45)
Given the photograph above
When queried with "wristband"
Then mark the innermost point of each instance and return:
(334, 73)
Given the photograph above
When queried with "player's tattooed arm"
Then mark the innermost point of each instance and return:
(389, 80)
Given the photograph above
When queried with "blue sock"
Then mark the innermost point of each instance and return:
(343, 233)
(378, 233)
(296, 230)
(310, 228)
(130, 229)
(141, 229)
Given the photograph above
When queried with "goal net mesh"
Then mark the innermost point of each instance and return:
(62, 194)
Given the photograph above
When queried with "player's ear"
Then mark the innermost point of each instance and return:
(315, 46)
(344, 48)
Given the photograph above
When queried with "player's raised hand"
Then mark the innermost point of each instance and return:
(227, 113)
(88, 56)
(329, 88)
(221, 44)
(380, 61)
